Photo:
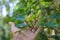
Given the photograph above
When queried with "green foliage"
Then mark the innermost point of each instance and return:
(5, 33)
(37, 13)
(42, 36)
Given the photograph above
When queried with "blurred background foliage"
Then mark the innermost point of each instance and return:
(31, 13)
